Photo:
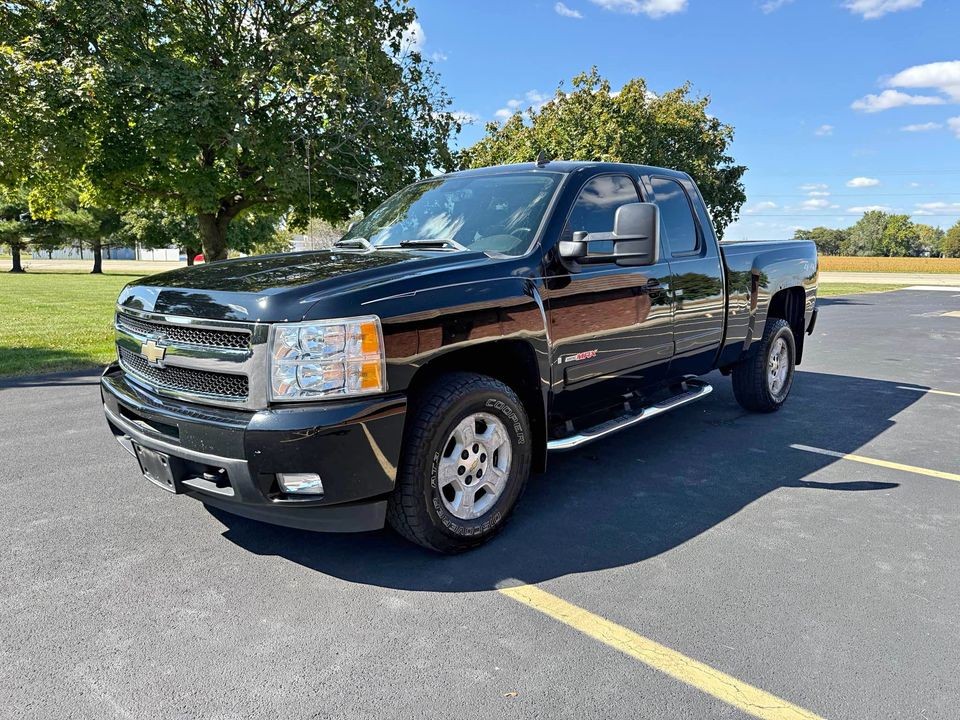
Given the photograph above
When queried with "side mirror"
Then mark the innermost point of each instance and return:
(575, 249)
(636, 234)
(635, 239)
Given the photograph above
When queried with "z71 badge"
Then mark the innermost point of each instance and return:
(585, 355)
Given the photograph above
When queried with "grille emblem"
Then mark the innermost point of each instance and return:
(153, 352)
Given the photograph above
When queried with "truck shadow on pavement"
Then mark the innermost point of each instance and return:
(627, 498)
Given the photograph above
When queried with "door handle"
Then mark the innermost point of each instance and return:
(654, 286)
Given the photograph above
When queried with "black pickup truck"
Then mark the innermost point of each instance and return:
(420, 370)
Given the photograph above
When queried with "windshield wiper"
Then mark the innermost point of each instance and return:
(439, 244)
(354, 242)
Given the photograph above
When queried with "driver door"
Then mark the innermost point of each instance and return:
(611, 326)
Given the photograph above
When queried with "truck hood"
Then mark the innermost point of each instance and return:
(272, 288)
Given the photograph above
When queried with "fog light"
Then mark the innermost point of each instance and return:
(301, 483)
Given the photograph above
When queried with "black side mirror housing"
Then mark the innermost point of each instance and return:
(636, 234)
(635, 238)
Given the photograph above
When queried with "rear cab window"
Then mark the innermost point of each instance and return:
(677, 223)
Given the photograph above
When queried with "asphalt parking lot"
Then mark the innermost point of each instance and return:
(724, 571)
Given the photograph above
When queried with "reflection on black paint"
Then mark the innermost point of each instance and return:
(256, 274)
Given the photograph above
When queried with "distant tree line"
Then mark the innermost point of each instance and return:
(74, 222)
(884, 234)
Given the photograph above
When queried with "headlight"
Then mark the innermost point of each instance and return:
(326, 358)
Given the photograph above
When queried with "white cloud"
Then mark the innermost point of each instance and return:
(818, 193)
(954, 124)
(867, 208)
(760, 207)
(891, 99)
(537, 99)
(413, 38)
(532, 98)
(816, 203)
(650, 8)
(933, 206)
(774, 5)
(872, 9)
(465, 118)
(814, 186)
(922, 127)
(438, 56)
(823, 131)
(563, 10)
(942, 76)
(914, 184)
(862, 182)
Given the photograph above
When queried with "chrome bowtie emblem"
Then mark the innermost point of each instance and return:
(153, 352)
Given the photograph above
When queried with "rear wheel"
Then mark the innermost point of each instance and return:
(465, 462)
(762, 380)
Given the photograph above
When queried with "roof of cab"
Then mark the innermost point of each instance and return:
(571, 166)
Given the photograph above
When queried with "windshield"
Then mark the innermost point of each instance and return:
(488, 213)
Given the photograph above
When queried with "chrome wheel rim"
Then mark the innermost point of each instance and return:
(474, 466)
(778, 366)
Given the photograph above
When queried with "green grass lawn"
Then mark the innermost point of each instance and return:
(51, 322)
(833, 289)
(63, 321)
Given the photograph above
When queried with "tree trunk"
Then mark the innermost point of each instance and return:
(15, 252)
(191, 253)
(97, 258)
(213, 232)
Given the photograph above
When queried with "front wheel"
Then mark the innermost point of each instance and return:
(762, 380)
(465, 462)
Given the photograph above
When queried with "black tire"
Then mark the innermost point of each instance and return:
(751, 376)
(416, 510)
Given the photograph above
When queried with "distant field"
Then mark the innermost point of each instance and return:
(110, 267)
(832, 263)
(53, 322)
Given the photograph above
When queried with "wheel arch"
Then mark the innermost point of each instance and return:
(513, 362)
(788, 304)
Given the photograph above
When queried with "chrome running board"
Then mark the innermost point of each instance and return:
(694, 390)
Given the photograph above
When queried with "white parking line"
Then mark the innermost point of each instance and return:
(940, 288)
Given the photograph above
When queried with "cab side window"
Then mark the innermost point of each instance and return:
(676, 217)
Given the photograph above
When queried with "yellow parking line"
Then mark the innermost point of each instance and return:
(928, 390)
(751, 700)
(880, 463)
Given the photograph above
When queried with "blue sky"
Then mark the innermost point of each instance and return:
(838, 105)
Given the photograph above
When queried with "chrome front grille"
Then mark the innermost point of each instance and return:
(212, 362)
(186, 334)
(185, 380)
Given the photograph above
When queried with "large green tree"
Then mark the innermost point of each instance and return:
(591, 122)
(829, 241)
(14, 225)
(217, 108)
(866, 235)
(900, 238)
(951, 241)
(931, 239)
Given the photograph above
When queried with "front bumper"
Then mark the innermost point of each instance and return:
(230, 458)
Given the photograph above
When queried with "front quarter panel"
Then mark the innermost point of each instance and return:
(423, 325)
